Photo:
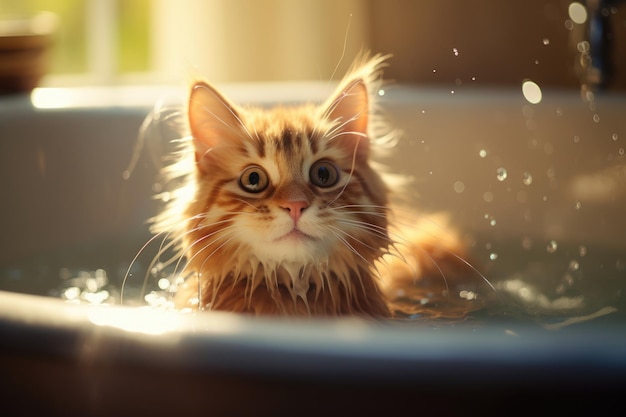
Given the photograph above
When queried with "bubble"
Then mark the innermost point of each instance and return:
(582, 250)
(614, 136)
(552, 246)
(488, 196)
(501, 174)
(493, 256)
(459, 187)
(455, 51)
(576, 139)
(578, 205)
(482, 153)
(531, 92)
(492, 222)
(381, 92)
(527, 243)
(574, 265)
(527, 178)
(621, 151)
(546, 41)
(596, 118)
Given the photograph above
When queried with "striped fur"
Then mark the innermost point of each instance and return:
(241, 245)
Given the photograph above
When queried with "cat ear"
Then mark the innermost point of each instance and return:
(350, 110)
(212, 119)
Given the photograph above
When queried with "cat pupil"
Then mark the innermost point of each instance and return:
(254, 179)
(323, 175)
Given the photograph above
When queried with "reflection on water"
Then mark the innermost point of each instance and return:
(552, 287)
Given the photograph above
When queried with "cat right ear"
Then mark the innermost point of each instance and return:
(212, 119)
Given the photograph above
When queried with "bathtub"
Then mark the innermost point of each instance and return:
(540, 190)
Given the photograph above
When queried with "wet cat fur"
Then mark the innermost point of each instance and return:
(281, 210)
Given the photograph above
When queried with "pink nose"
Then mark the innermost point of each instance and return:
(295, 208)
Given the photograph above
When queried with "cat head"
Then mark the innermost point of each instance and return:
(288, 185)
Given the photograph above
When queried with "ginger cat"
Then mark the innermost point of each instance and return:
(282, 212)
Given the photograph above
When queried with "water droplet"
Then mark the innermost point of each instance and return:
(546, 41)
(577, 12)
(493, 256)
(164, 283)
(548, 148)
(582, 250)
(574, 265)
(455, 51)
(552, 246)
(527, 178)
(501, 174)
(468, 295)
(531, 92)
(482, 153)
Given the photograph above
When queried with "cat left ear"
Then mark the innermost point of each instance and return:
(212, 119)
(350, 109)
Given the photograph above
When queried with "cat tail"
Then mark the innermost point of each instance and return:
(428, 253)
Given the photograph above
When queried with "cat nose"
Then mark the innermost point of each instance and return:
(295, 208)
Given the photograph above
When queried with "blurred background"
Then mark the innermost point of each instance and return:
(438, 42)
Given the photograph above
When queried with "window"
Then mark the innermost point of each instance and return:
(96, 41)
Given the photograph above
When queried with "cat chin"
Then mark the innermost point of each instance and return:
(293, 248)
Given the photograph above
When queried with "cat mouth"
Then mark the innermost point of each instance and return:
(295, 235)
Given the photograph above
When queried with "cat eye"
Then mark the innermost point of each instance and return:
(253, 179)
(324, 174)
